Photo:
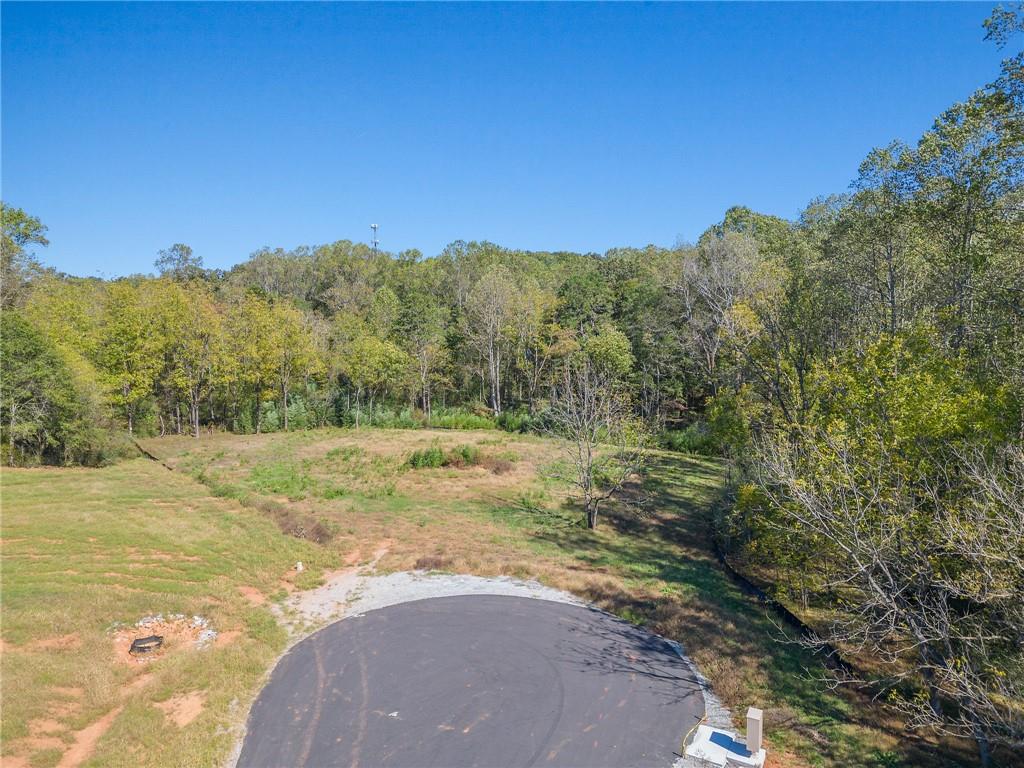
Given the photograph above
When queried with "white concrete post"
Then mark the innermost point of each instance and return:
(755, 729)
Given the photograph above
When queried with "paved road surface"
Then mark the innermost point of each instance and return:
(478, 680)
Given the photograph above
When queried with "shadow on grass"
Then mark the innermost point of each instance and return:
(662, 573)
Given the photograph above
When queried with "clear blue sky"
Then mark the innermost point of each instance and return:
(128, 127)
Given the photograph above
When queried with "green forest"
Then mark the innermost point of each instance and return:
(861, 368)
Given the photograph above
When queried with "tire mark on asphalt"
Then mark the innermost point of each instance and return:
(557, 676)
(364, 686)
(318, 701)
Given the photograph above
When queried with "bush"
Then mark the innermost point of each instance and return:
(431, 457)
(440, 418)
(696, 438)
(459, 418)
(518, 420)
(724, 431)
(270, 419)
(462, 456)
(434, 457)
(299, 416)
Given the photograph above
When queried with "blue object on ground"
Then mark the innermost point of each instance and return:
(723, 740)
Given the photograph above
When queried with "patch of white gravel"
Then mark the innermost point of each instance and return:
(352, 593)
(716, 714)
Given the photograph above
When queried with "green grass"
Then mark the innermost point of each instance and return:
(434, 457)
(87, 549)
(281, 477)
(653, 568)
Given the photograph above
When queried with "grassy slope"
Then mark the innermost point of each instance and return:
(86, 548)
(654, 569)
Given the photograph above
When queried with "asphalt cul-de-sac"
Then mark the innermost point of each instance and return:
(480, 680)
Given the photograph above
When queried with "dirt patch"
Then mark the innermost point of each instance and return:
(38, 744)
(353, 557)
(62, 643)
(136, 683)
(56, 710)
(287, 582)
(183, 708)
(378, 554)
(179, 633)
(135, 554)
(68, 692)
(227, 638)
(44, 726)
(253, 595)
(86, 740)
(338, 588)
(63, 709)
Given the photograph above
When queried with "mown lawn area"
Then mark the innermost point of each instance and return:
(85, 549)
(219, 535)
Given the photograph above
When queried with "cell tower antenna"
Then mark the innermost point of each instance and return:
(373, 240)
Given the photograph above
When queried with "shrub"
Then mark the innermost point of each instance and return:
(432, 563)
(518, 420)
(696, 438)
(462, 456)
(299, 416)
(431, 457)
(458, 418)
(387, 418)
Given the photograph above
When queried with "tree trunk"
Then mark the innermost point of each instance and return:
(928, 674)
(984, 755)
(14, 424)
(284, 400)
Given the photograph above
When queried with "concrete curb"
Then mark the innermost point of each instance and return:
(716, 714)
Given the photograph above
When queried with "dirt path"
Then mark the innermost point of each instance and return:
(86, 740)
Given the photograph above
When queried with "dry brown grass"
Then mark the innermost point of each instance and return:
(656, 569)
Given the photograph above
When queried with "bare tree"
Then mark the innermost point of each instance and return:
(713, 278)
(489, 311)
(926, 575)
(605, 442)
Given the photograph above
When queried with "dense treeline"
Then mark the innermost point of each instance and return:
(863, 365)
(339, 333)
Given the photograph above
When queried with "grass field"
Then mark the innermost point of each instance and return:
(218, 537)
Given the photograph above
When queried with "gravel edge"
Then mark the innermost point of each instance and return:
(354, 592)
